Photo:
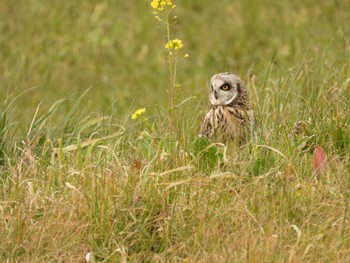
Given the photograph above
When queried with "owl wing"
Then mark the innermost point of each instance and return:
(207, 126)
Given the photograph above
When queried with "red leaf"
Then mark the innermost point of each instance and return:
(320, 159)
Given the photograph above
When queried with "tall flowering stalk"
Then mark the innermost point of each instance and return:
(163, 13)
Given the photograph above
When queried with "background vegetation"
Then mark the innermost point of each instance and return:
(78, 176)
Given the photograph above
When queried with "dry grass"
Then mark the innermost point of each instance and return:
(78, 176)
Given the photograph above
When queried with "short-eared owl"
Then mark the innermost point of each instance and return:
(230, 115)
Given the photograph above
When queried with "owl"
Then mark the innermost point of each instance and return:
(230, 116)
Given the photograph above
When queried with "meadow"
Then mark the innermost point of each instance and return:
(79, 178)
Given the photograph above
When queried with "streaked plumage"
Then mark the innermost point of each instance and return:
(230, 115)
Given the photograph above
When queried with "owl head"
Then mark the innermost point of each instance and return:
(227, 88)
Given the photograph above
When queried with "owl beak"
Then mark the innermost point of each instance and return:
(216, 95)
(213, 99)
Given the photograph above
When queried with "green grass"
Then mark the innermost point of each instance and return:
(78, 176)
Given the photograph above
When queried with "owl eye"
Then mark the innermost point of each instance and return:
(225, 87)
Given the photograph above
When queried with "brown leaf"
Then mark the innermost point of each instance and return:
(320, 159)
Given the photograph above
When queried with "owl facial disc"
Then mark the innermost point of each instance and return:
(222, 91)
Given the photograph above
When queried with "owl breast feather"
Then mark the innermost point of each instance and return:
(223, 123)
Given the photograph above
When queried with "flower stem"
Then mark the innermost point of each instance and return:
(172, 74)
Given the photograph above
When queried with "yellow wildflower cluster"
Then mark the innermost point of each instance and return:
(159, 5)
(174, 44)
(138, 113)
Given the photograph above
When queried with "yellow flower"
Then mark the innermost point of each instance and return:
(159, 5)
(174, 44)
(186, 55)
(138, 113)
